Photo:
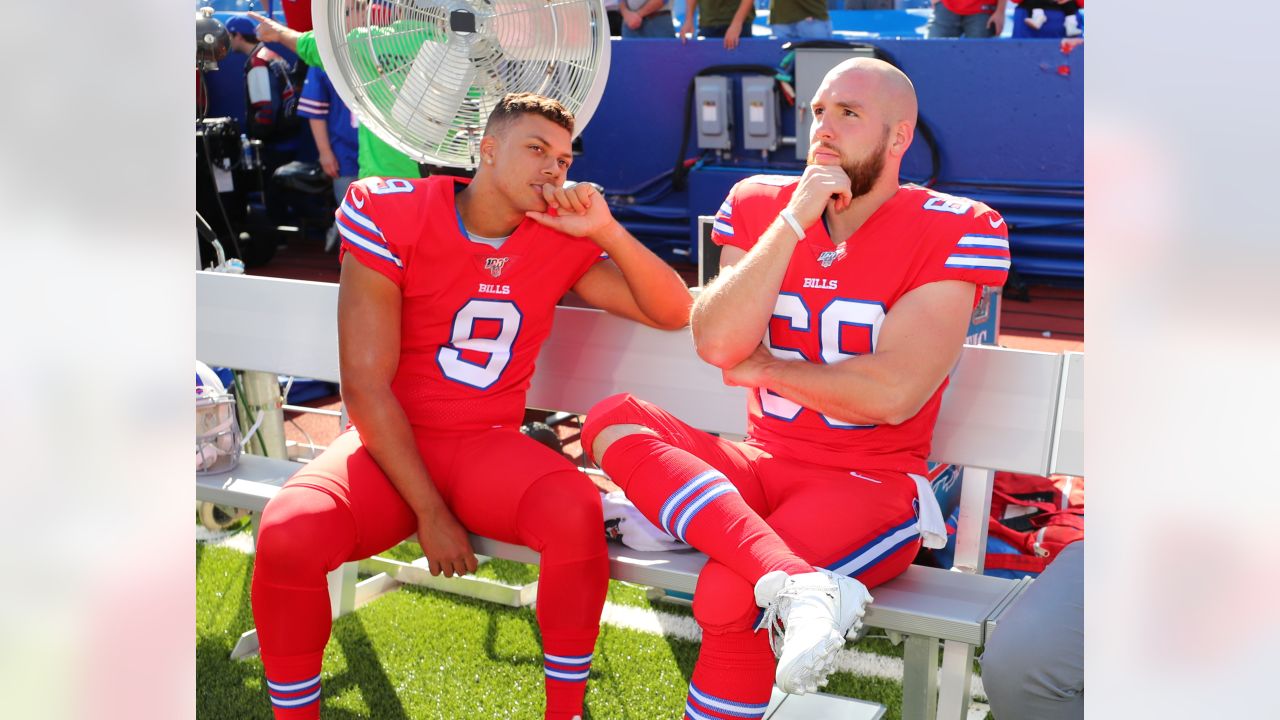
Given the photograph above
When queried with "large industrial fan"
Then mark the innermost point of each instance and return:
(425, 74)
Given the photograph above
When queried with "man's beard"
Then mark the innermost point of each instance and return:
(864, 173)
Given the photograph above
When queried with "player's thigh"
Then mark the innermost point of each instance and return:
(737, 461)
(347, 472)
(492, 474)
(863, 525)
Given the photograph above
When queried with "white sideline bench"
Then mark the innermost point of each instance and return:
(1005, 409)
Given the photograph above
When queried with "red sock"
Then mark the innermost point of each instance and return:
(733, 678)
(694, 503)
(560, 517)
(300, 532)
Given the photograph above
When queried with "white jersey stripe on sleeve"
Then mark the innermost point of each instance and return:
(991, 241)
(362, 220)
(368, 246)
(980, 262)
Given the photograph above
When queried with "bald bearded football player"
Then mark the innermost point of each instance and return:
(842, 304)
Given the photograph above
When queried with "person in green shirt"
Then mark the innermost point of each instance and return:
(799, 19)
(376, 157)
(718, 19)
(788, 19)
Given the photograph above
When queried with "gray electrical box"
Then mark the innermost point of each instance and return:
(812, 64)
(760, 118)
(713, 110)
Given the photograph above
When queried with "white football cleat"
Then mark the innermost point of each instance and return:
(1071, 24)
(812, 612)
(1036, 19)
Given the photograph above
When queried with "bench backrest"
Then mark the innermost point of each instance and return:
(1068, 452)
(1000, 411)
(288, 327)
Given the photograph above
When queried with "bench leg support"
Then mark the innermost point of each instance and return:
(246, 646)
(342, 589)
(920, 678)
(957, 674)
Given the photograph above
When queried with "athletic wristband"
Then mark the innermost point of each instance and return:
(790, 219)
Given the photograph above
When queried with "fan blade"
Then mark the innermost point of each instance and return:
(433, 91)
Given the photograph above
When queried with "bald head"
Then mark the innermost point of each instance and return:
(876, 83)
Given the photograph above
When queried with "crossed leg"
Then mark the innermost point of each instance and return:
(765, 524)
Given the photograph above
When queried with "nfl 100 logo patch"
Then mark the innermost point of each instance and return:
(494, 265)
(828, 258)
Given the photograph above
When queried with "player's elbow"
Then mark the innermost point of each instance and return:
(718, 352)
(673, 317)
(717, 346)
(896, 406)
(362, 391)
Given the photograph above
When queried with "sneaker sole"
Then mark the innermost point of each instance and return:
(822, 665)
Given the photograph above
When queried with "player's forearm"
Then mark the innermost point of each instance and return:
(744, 8)
(658, 290)
(730, 316)
(320, 133)
(386, 434)
(865, 390)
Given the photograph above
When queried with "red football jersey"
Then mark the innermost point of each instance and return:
(473, 318)
(833, 301)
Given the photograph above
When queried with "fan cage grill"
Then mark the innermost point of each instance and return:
(428, 90)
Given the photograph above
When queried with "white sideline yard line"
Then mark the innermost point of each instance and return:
(654, 622)
(237, 540)
(851, 660)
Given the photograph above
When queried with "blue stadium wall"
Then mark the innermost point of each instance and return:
(1007, 115)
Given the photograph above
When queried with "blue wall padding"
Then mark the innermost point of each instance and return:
(1008, 116)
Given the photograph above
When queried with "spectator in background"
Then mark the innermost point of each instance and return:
(1036, 15)
(377, 158)
(271, 110)
(337, 139)
(799, 19)
(718, 19)
(967, 18)
(271, 100)
(646, 19)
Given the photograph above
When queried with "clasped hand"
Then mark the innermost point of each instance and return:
(580, 210)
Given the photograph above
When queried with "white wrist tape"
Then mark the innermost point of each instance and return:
(790, 219)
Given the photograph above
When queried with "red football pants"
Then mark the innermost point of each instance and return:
(498, 483)
(862, 525)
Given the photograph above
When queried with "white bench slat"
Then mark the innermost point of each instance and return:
(249, 485)
(273, 325)
(1068, 454)
(923, 600)
(591, 355)
(998, 411)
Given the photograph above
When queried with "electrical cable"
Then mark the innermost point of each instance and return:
(208, 160)
(680, 172)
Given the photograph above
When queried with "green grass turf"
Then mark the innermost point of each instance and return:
(415, 653)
